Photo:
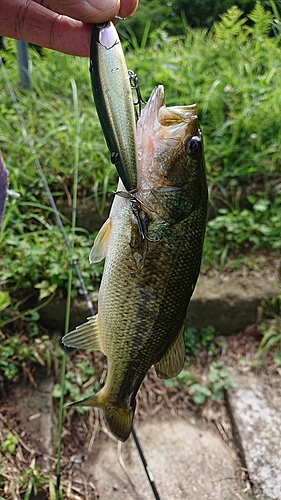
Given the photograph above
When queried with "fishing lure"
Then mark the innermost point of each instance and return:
(113, 98)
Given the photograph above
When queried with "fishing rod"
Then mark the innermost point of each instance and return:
(74, 265)
(69, 247)
(146, 468)
(46, 187)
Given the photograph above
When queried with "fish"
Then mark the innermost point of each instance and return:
(113, 99)
(149, 276)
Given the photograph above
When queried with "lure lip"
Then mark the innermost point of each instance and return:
(107, 36)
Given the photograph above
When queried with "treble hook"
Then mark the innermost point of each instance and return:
(134, 82)
(136, 207)
(142, 224)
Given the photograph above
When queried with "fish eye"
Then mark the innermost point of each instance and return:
(193, 145)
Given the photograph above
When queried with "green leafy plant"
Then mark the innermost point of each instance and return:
(77, 384)
(34, 480)
(5, 300)
(20, 350)
(257, 228)
(195, 340)
(271, 340)
(10, 443)
(218, 382)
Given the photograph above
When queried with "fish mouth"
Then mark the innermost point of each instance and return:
(170, 121)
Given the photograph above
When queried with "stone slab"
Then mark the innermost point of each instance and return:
(229, 302)
(36, 414)
(256, 416)
(187, 463)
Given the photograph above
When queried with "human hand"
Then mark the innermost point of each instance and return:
(63, 25)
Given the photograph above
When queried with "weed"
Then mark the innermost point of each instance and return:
(26, 348)
(10, 443)
(81, 381)
(218, 382)
(32, 481)
(231, 72)
(5, 300)
(195, 340)
(271, 331)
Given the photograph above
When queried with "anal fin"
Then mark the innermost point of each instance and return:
(86, 336)
(173, 360)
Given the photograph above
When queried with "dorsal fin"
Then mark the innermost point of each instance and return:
(100, 247)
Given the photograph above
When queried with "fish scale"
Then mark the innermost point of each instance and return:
(147, 285)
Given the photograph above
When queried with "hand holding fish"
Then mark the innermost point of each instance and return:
(59, 24)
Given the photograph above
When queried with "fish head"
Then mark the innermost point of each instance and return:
(171, 169)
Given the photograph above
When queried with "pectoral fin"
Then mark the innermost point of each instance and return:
(86, 336)
(173, 360)
(101, 244)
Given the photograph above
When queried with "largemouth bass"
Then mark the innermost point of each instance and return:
(113, 99)
(149, 276)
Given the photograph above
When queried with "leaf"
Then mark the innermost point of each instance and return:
(52, 490)
(262, 20)
(4, 300)
(46, 289)
(213, 376)
(230, 25)
(217, 395)
(56, 392)
(199, 398)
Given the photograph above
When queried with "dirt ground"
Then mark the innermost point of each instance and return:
(189, 448)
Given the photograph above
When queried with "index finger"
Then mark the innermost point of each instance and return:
(32, 22)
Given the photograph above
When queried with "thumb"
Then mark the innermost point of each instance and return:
(88, 11)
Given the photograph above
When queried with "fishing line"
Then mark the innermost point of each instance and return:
(74, 265)
(69, 246)
(68, 300)
(46, 187)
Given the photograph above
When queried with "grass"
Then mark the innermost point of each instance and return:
(231, 71)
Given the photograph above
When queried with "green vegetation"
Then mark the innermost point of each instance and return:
(271, 332)
(196, 340)
(10, 443)
(231, 71)
(171, 15)
(83, 372)
(218, 380)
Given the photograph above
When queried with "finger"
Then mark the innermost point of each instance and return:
(127, 7)
(88, 11)
(31, 22)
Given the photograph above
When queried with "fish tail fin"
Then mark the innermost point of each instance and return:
(120, 420)
(119, 417)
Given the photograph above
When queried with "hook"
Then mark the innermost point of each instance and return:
(134, 82)
(136, 207)
(143, 224)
